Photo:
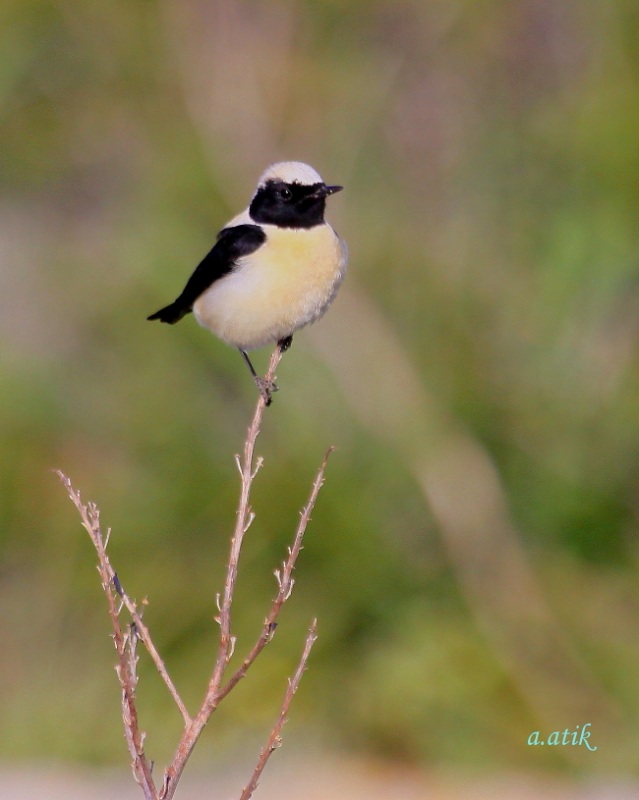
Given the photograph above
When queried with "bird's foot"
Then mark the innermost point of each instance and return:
(266, 389)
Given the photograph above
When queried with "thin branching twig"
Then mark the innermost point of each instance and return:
(124, 643)
(285, 582)
(126, 639)
(275, 738)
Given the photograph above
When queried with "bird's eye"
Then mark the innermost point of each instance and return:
(286, 193)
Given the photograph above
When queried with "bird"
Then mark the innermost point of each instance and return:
(274, 268)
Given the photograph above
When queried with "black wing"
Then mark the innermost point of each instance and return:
(231, 245)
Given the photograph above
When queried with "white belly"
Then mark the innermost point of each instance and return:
(286, 284)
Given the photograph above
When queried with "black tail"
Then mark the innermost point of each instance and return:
(170, 314)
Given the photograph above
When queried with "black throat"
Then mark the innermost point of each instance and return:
(288, 205)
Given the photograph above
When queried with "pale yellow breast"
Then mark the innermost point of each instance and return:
(286, 284)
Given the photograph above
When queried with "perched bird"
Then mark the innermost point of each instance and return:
(274, 268)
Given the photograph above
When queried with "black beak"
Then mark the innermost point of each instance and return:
(323, 190)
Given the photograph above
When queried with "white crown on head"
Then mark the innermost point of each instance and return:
(290, 172)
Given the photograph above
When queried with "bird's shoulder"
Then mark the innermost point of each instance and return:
(233, 242)
(237, 240)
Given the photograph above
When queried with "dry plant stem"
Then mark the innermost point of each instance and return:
(248, 467)
(275, 737)
(113, 585)
(285, 582)
(248, 471)
(126, 643)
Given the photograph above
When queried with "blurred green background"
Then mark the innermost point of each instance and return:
(473, 556)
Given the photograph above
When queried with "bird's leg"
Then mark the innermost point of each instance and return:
(285, 343)
(266, 388)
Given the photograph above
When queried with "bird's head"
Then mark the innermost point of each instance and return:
(290, 194)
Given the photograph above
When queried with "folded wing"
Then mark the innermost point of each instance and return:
(231, 245)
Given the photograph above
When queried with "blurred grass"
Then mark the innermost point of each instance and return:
(473, 556)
